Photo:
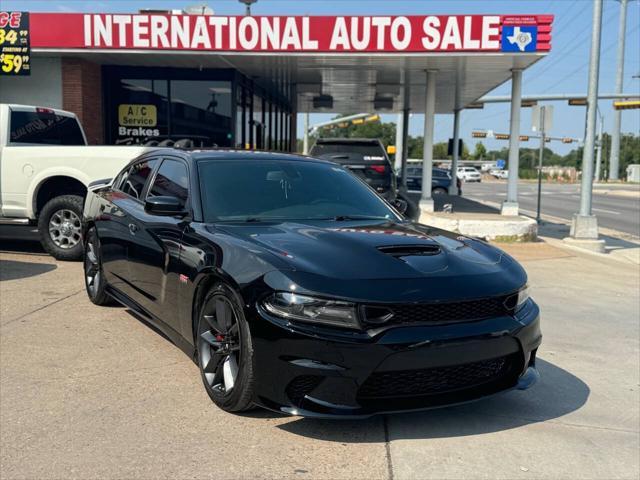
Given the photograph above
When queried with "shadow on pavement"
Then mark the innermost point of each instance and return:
(560, 231)
(558, 393)
(458, 203)
(14, 270)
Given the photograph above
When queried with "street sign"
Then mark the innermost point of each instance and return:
(501, 164)
(542, 124)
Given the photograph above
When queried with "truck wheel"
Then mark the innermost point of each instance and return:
(60, 227)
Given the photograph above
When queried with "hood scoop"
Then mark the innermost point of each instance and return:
(399, 251)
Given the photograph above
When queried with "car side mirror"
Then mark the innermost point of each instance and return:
(164, 205)
(400, 205)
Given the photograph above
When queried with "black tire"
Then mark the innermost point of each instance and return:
(439, 191)
(66, 244)
(213, 325)
(94, 281)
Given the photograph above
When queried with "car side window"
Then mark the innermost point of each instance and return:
(171, 180)
(133, 181)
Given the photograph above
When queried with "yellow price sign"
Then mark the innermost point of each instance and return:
(10, 36)
(137, 115)
(10, 63)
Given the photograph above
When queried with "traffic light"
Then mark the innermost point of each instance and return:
(372, 118)
(358, 121)
(577, 102)
(567, 140)
(547, 139)
(479, 134)
(524, 138)
(474, 106)
(501, 136)
(528, 103)
(626, 105)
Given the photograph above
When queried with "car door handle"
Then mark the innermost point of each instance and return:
(133, 228)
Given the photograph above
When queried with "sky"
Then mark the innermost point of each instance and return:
(564, 70)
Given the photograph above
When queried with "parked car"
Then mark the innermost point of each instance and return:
(45, 167)
(440, 180)
(469, 174)
(499, 173)
(366, 158)
(296, 288)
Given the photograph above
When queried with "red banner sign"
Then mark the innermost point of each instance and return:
(416, 34)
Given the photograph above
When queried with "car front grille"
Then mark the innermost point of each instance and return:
(437, 312)
(301, 386)
(439, 380)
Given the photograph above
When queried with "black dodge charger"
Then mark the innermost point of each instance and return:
(295, 287)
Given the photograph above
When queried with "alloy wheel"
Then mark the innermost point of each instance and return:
(219, 344)
(65, 228)
(92, 267)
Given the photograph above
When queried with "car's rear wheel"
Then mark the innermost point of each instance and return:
(60, 227)
(94, 281)
(438, 191)
(224, 351)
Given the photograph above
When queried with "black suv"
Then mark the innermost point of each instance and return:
(367, 158)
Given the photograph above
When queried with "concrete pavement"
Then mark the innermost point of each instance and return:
(90, 392)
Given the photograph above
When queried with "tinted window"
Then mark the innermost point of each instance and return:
(44, 128)
(133, 181)
(278, 189)
(171, 180)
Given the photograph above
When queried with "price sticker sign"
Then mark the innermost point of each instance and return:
(15, 52)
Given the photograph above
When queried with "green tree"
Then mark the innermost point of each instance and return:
(480, 151)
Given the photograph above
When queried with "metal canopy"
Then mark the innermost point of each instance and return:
(354, 80)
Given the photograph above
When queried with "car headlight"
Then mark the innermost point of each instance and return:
(303, 308)
(523, 296)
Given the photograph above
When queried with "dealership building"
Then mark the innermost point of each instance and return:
(240, 81)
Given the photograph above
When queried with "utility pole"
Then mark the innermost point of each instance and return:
(584, 227)
(540, 156)
(614, 159)
(596, 177)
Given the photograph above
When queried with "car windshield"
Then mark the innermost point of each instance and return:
(264, 190)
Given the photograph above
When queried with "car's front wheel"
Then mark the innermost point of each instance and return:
(225, 351)
(94, 281)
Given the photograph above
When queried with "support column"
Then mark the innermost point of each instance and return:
(614, 157)
(426, 202)
(453, 188)
(305, 137)
(405, 149)
(510, 205)
(584, 227)
(397, 163)
(596, 176)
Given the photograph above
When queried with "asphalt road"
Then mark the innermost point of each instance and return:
(616, 212)
(91, 392)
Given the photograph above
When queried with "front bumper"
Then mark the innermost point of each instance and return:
(310, 372)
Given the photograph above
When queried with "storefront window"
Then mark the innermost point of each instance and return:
(248, 121)
(239, 118)
(201, 110)
(267, 125)
(141, 108)
(258, 133)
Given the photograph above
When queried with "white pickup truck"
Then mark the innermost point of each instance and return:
(45, 168)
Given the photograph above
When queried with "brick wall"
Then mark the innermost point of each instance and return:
(82, 95)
